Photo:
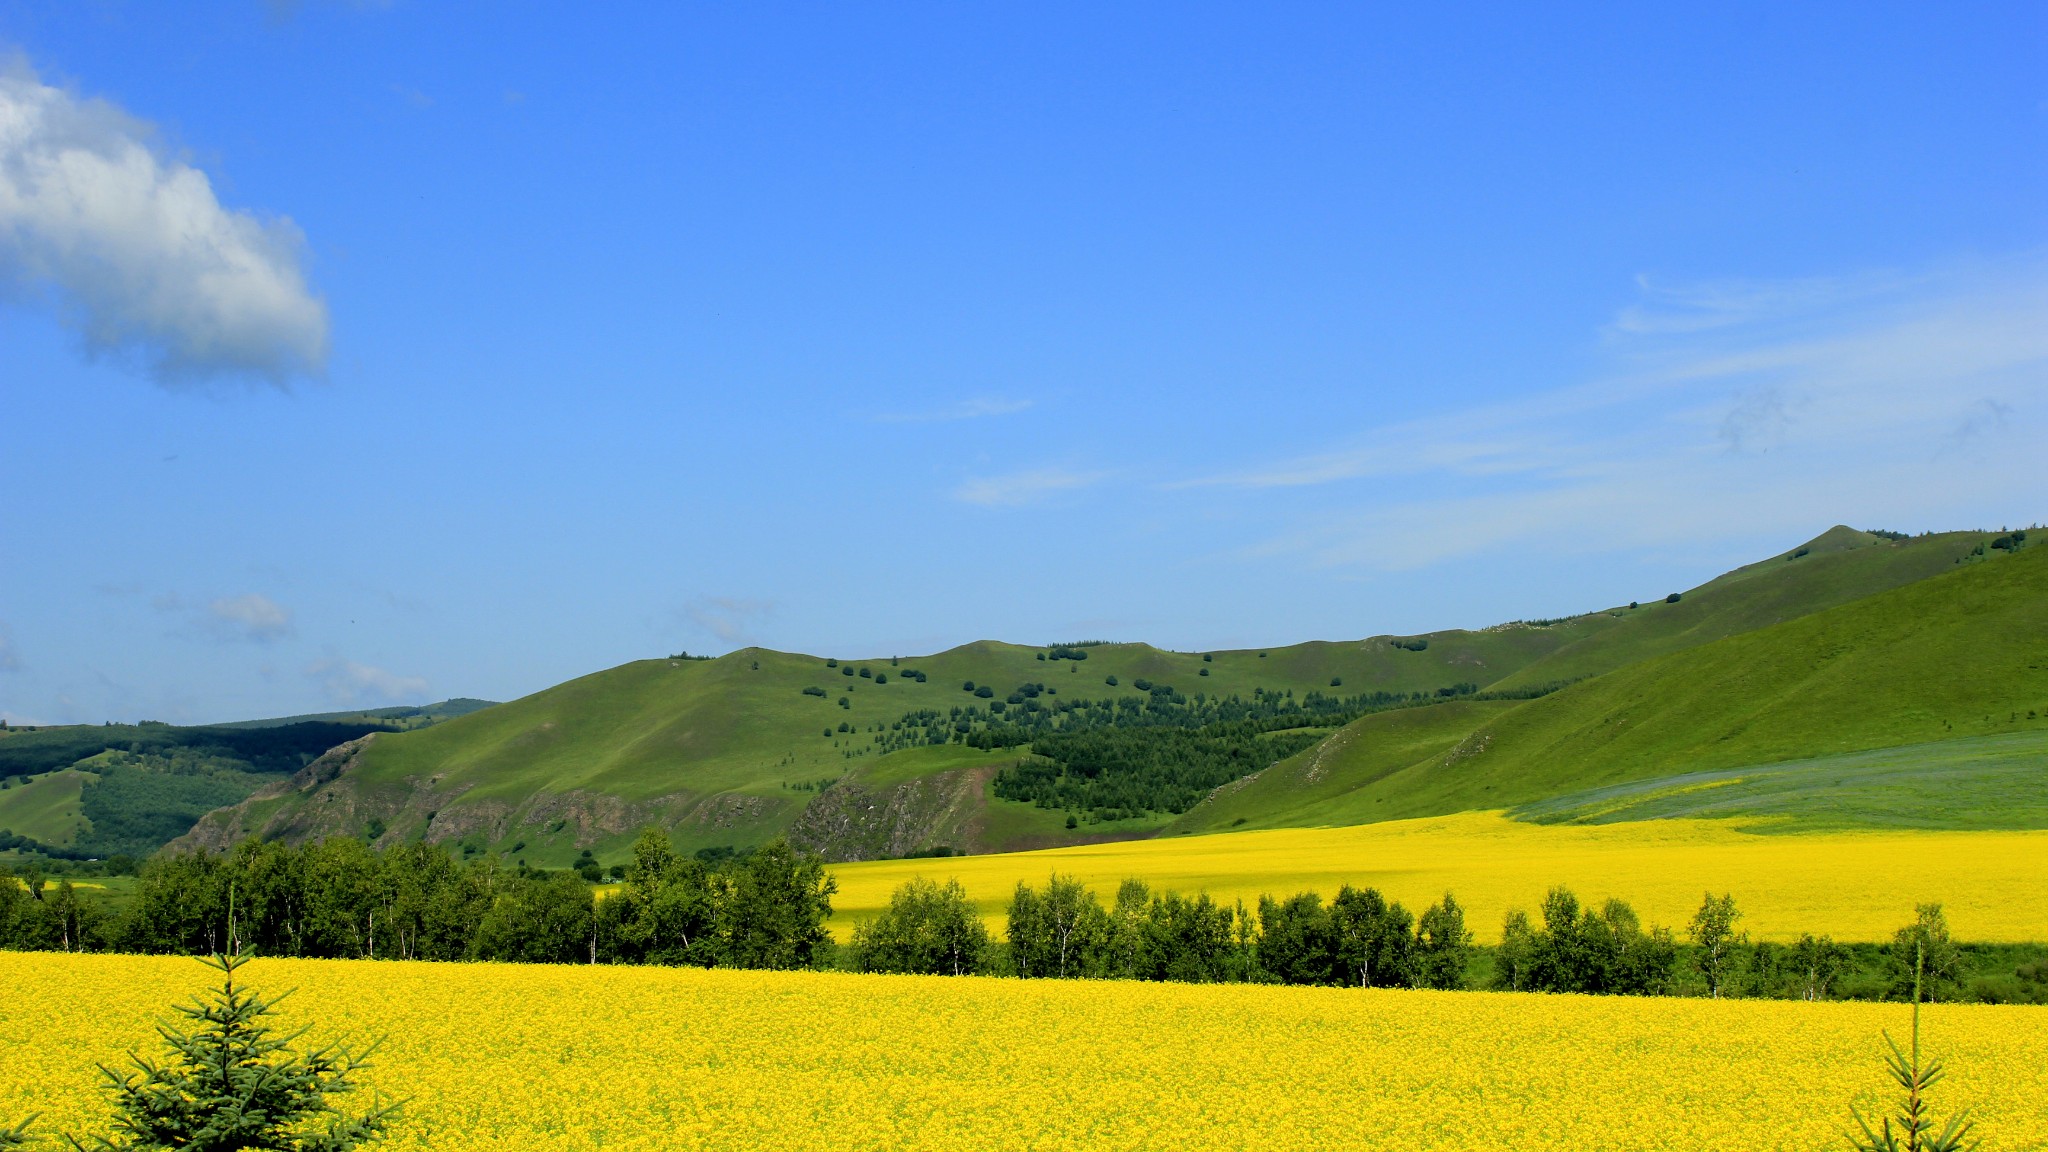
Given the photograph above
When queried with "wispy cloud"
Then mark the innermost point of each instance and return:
(730, 619)
(1731, 410)
(250, 616)
(1018, 488)
(133, 250)
(975, 409)
(348, 683)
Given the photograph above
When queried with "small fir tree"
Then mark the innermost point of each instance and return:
(231, 1084)
(1914, 1130)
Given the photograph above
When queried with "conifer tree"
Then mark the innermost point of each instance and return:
(232, 1084)
(1912, 1130)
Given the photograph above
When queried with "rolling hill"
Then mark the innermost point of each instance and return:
(87, 791)
(860, 759)
(1952, 656)
(729, 752)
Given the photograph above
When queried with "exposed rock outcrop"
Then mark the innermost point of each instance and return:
(852, 821)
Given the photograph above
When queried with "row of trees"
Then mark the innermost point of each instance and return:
(1361, 939)
(1061, 930)
(768, 908)
(340, 898)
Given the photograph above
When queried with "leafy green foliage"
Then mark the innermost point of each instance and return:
(1716, 940)
(763, 909)
(928, 928)
(1580, 950)
(231, 1083)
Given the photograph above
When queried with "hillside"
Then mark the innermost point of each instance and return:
(841, 755)
(88, 791)
(729, 752)
(1953, 656)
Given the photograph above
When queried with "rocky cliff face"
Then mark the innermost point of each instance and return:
(852, 821)
(326, 798)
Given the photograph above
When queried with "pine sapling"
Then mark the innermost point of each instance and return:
(231, 1084)
(1914, 1130)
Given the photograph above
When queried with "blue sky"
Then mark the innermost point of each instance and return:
(357, 354)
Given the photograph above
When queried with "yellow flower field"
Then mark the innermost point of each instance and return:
(530, 1058)
(1844, 884)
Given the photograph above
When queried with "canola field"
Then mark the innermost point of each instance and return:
(497, 1058)
(1855, 886)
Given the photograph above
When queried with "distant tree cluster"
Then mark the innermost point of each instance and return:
(1360, 939)
(340, 898)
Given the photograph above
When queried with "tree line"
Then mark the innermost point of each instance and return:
(1362, 939)
(339, 898)
(767, 908)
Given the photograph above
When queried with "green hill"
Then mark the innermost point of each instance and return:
(865, 758)
(90, 791)
(729, 752)
(1955, 655)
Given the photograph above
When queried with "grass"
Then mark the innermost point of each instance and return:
(1841, 883)
(1975, 782)
(1836, 567)
(46, 807)
(1953, 656)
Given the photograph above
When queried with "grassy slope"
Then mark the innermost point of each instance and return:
(1958, 655)
(1365, 769)
(1840, 565)
(741, 724)
(45, 808)
(1321, 786)
(1972, 782)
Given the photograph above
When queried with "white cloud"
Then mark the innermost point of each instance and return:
(1885, 401)
(975, 409)
(136, 253)
(1018, 488)
(249, 617)
(348, 683)
(730, 619)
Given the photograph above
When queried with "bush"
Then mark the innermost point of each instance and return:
(1110, 680)
(1674, 598)
(818, 692)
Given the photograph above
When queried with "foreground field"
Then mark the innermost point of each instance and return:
(1851, 885)
(504, 1057)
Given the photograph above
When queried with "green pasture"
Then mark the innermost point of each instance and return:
(1977, 782)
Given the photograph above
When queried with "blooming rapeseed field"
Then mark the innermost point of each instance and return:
(1850, 885)
(503, 1058)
